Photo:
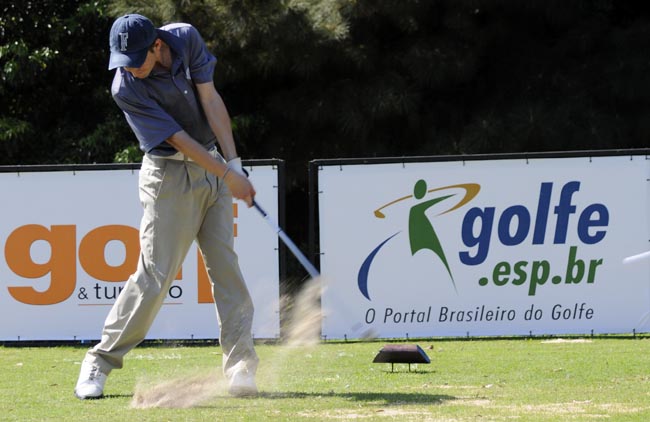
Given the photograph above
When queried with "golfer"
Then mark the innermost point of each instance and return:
(164, 85)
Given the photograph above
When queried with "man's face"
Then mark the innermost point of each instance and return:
(144, 70)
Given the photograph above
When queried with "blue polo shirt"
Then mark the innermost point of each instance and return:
(167, 101)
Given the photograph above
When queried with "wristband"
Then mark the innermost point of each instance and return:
(235, 164)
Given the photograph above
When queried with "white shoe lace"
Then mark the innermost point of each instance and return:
(94, 373)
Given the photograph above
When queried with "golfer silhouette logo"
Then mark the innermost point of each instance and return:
(422, 234)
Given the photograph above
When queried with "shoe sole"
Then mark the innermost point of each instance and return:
(88, 397)
(242, 392)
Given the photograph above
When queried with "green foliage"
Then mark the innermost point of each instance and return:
(324, 15)
(106, 140)
(12, 129)
(54, 83)
(346, 78)
(130, 154)
(160, 11)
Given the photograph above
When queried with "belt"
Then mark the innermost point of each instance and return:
(179, 156)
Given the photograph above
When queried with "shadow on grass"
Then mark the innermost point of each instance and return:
(400, 371)
(117, 396)
(383, 397)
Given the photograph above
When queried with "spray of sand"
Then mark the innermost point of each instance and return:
(303, 329)
(179, 393)
(304, 322)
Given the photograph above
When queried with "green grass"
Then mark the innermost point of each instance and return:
(486, 380)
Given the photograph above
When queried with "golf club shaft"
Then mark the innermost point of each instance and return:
(637, 257)
(313, 272)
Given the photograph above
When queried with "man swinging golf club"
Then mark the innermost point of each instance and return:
(164, 85)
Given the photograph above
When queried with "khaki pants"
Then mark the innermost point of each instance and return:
(182, 203)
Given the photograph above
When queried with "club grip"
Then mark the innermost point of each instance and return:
(260, 209)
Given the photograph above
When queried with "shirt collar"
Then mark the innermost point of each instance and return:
(176, 46)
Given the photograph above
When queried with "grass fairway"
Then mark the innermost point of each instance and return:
(485, 380)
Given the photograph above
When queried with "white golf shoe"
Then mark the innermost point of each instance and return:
(242, 381)
(90, 384)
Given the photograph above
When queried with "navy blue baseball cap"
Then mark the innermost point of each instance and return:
(131, 36)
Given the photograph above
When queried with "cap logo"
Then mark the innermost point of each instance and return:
(124, 36)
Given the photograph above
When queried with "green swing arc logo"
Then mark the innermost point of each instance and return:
(422, 235)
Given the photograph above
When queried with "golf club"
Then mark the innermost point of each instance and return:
(313, 272)
(637, 257)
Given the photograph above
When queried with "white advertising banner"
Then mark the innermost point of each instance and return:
(70, 240)
(485, 247)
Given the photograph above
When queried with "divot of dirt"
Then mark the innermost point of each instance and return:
(179, 393)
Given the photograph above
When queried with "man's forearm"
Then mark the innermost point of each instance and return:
(218, 118)
(221, 126)
(240, 187)
(185, 144)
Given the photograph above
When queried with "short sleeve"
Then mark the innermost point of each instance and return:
(202, 62)
(149, 122)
